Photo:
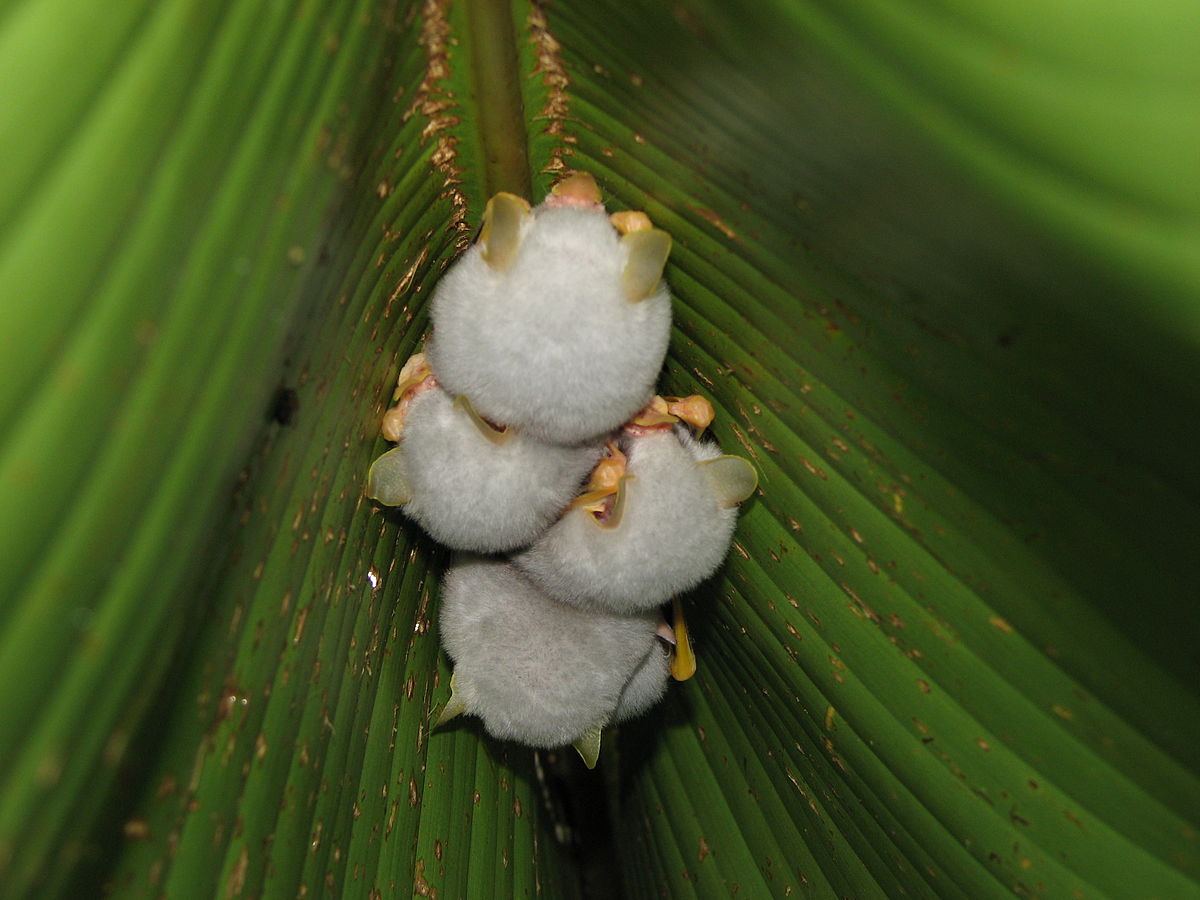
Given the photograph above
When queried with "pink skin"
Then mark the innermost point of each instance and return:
(643, 430)
(579, 191)
(393, 419)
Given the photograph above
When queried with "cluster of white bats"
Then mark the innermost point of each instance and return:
(529, 438)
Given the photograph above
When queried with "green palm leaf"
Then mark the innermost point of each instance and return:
(936, 267)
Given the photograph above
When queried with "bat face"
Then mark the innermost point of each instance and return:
(669, 529)
(472, 486)
(554, 322)
(537, 671)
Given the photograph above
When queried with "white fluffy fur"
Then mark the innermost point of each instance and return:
(535, 670)
(673, 534)
(552, 345)
(646, 686)
(471, 494)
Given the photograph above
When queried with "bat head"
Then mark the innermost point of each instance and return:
(665, 528)
(555, 321)
(473, 485)
(536, 671)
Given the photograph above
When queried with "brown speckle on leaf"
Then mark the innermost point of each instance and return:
(136, 829)
(421, 885)
(301, 619)
(554, 78)
(716, 221)
(237, 875)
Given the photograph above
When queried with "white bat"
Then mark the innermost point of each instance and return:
(667, 527)
(540, 672)
(470, 485)
(557, 320)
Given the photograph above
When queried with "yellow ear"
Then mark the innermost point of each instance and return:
(733, 478)
(387, 481)
(454, 706)
(501, 234)
(648, 252)
(588, 746)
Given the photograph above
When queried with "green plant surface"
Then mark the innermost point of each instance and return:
(935, 264)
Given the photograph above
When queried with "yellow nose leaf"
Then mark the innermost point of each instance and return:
(618, 506)
(498, 436)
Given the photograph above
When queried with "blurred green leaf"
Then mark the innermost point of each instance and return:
(937, 267)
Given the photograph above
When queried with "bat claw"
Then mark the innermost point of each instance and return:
(579, 189)
(630, 220)
(696, 410)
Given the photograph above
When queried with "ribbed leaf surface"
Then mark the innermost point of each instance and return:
(951, 653)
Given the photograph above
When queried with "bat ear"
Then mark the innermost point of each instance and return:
(733, 478)
(454, 706)
(501, 234)
(588, 746)
(497, 436)
(683, 659)
(648, 252)
(387, 480)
